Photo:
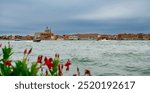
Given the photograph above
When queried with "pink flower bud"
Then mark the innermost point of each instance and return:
(0, 45)
(25, 51)
(40, 58)
(60, 70)
(87, 72)
(56, 55)
(30, 51)
(75, 75)
(78, 71)
(46, 72)
(62, 66)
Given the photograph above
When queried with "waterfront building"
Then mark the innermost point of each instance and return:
(73, 37)
(80, 37)
(139, 36)
(146, 37)
(11, 37)
(59, 37)
(87, 36)
(102, 37)
(45, 35)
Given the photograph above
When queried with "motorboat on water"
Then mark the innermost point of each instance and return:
(36, 40)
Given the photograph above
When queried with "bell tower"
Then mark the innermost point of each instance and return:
(47, 30)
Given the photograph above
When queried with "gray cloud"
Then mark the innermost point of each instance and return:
(74, 16)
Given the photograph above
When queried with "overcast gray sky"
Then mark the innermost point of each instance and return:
(75, 16)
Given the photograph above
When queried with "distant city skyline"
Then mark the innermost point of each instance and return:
(25, 17)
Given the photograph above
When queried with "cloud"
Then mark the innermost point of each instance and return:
(123, 9)
(74, 16)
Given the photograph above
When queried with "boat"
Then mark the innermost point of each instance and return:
(36, 40)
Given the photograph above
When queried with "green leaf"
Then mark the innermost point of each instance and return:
(34, 69)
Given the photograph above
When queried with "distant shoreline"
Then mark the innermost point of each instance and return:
(76, 40)
(48, 35)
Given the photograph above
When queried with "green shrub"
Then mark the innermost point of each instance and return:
(22, 67)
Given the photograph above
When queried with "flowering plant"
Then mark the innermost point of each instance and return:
(44, 66)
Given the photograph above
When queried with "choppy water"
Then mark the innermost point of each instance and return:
(101, 57)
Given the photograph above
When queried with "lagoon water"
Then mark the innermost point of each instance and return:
(103, 58)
